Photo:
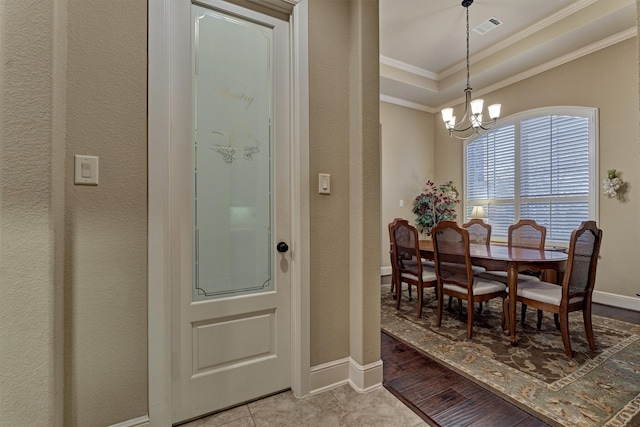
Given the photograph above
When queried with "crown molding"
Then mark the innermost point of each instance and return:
(587, 50)
(408, 104)
(527, 32)
(408, 68)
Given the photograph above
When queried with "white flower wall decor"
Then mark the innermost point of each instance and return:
(613, 185)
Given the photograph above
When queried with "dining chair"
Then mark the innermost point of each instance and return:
(526, 233)
(393, 266)
(425, 262)
(407, 263)
(479, 233)
(577, 285)
(455, 274)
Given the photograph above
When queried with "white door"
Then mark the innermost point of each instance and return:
(231, 333)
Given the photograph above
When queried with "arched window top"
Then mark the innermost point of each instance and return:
(560, 110)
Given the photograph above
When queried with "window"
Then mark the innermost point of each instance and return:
(541, 165)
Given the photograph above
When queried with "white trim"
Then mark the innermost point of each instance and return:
(135, 422)
(404, 103)
(329, 375)
(527, 32)
(283, 6)
(385, 271)
(300, 217)
(159, 291)
(362, 379)
(587, 50)
(159, 297)
(564, 59)
(548, 21)
(408, 67)
(618, 301)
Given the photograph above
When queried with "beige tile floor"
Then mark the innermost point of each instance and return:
(340, 406)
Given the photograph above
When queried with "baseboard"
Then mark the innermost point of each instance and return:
(329, 375)
(135, 422)
(385, 271)
(615, 300)
(346, 371)
(363, 379)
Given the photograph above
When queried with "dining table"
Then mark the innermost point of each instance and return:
(501, 257)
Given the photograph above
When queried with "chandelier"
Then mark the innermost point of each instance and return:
(472, 108)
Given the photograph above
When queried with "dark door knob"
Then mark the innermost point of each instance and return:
(282, 247)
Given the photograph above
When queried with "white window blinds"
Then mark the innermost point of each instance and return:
(490, 178)
(537, 165)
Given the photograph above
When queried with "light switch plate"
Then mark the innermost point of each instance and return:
(86, 170)
(324, 183)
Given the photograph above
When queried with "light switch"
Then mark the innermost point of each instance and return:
(324, 183)
(401, 203)
(86, 170)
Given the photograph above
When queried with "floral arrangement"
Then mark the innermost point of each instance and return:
(435, 204)
(612, 184)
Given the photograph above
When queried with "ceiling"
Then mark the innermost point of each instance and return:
(423, 43)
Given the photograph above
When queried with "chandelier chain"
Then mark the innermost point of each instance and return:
(468, 73)
(472, 108)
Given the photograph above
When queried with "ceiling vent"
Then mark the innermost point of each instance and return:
(487, 25)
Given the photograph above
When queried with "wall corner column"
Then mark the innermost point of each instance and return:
(364, 189)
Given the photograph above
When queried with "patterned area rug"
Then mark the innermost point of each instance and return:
(600, 388)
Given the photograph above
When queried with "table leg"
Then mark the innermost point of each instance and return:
(512, 281)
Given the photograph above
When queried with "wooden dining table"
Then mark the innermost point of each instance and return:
(498, 257)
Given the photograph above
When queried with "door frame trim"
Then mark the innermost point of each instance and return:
(159, 203)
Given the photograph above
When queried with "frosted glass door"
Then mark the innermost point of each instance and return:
(232, 162)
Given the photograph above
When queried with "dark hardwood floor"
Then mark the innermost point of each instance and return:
(441, 396)
(445, 398)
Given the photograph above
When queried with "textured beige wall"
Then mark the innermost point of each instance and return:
(329, 153)
(73, 70)
(407, 163)
(608, 80)
(30, 213)
(106, 225)
(364, 182)
(344, 143)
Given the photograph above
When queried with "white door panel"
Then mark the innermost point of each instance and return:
(231, 321)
